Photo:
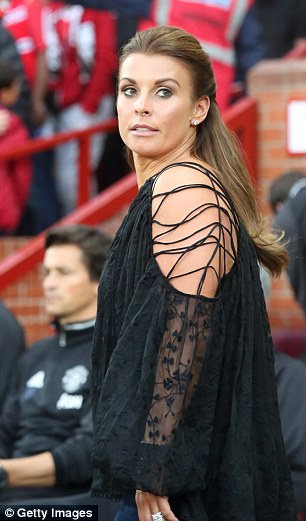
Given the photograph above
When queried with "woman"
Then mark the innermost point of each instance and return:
(185, 407)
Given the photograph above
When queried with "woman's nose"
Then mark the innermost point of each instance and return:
(142, 106)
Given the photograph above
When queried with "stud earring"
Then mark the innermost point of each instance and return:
(195, 122)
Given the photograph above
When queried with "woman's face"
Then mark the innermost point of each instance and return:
(155, 105)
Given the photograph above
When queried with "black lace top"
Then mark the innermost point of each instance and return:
(184, 392)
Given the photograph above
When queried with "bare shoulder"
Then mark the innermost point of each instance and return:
(183, 175)
(188, 185)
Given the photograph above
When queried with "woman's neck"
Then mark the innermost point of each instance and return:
(146, 168)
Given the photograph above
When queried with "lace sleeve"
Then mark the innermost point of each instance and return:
(194, 236)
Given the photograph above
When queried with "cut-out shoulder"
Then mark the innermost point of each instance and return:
(194, 228)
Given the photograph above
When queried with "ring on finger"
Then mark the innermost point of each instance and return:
(157, 517)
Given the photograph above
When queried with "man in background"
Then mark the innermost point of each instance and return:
(287, 199)
(46, 427)
(291, 391)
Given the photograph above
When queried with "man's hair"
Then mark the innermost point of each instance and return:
(280, 188)
(93, 243)
(7, 74)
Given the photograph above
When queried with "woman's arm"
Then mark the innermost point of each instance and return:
(194, 237)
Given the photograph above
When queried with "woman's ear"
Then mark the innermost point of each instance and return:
(201, 109)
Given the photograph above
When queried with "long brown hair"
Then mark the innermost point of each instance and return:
(215, 144)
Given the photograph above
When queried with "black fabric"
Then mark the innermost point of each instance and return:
(292, 220)
(120, 7)
(12, 345)
(283, 23)
(184, 392)
(49, 409)
(291, 390)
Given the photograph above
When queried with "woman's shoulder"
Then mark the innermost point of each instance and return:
(190, 184)
(184, 174)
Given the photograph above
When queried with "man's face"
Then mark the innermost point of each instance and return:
(70, 294)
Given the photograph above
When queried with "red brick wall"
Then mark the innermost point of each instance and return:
(272, 83)
(25, 297)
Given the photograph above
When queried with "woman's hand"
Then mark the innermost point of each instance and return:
(149, 504)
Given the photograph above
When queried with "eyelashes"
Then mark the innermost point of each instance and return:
(162, 92)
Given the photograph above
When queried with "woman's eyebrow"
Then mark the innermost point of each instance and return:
(127, 79)
(164, 80)
(157, 82)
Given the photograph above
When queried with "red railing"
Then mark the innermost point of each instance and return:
(82, 136)
(241, 118)
(101, 208)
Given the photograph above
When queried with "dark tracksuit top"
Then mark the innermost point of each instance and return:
(48, 408)
(292, 220)
(12, 346)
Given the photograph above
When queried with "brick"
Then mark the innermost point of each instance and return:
(272, 83)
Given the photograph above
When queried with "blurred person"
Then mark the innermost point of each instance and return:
(287, 197)
(46, 424)
(249, 50)
(119, 7)
(26, 21)
(12, 346)
(128, 13)
(219, 26)
(9, 52)
(112, 164)
(15, 174)
(186, 420)
(283, 24)
(291, 391)
(82, 51)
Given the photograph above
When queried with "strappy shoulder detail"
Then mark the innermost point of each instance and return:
(194, 228)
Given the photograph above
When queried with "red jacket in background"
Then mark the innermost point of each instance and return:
(87, 55)
(24, 20)
(15, 176)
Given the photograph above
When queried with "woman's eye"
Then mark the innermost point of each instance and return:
(128, 91)
(164, 92)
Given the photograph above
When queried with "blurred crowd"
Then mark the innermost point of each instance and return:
(58, 73)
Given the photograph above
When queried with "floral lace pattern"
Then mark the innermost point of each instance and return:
(178, 367)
